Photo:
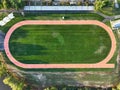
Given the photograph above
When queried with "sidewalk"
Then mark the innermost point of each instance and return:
(108, 18)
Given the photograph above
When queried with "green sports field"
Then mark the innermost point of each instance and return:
(60, 44)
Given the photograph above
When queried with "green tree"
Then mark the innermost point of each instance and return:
(1, 4)
(2, 71)
(51, 88)
(16, 3)
(117, 87)
(99, 4)
(5, 4)
(79, 3)
(13, 83)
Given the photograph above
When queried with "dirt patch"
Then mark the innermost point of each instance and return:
(100, 50)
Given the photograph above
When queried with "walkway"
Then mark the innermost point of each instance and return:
(102, 64)
(108, 18)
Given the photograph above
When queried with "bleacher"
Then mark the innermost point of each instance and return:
(58, 8)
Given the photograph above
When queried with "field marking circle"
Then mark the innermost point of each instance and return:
(101, 64)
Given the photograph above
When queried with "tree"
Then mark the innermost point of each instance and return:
(117, 87)
(16, 3)
(62, 3)
(1, 4)
(14, 83)
(2, 71)
(79, 3)
(51, 88)
(99, 4)
(86, 3)
(5, 4)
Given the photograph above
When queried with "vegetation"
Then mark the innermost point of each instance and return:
(9, 77)
(107, 7)
(7, 4)
(99, 4)
(39, 16)
(2, 67)
(117, 87)
(14, 83)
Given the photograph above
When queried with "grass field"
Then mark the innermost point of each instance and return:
(39, 16)
(80, 16)
(60, 44)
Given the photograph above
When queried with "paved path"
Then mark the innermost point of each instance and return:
(108, 18)
(103, 15)
(102, 64)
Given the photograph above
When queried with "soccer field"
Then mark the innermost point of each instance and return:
(38, 44)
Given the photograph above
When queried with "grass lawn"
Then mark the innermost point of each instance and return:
(39, 16)
(60, 44)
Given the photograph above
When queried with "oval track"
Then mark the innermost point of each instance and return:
(102, 64)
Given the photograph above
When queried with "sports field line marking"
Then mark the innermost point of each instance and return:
(102, 64)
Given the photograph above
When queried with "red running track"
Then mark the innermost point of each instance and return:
(102, 64)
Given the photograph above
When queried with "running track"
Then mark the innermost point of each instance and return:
(102, 64)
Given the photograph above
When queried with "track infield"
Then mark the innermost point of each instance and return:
(102, 64)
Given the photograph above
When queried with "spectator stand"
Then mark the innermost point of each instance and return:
(7, 19)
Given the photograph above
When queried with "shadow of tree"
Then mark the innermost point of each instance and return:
(19, 49)
(19, 33)
(34, 61)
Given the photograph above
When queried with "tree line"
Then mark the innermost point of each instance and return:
(7, 4)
